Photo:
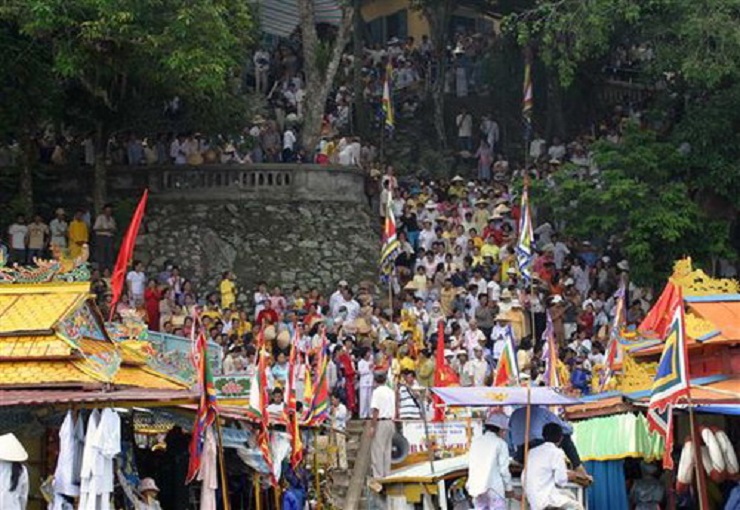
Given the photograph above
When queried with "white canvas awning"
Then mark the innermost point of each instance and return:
(280, 17)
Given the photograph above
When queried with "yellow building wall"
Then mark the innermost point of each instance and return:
(417, 24)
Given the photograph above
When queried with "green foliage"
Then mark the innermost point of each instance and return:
(697, 42)
(639, 197)
(711, 128)
(115, 54)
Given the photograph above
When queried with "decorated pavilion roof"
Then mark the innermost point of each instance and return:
(52, 336)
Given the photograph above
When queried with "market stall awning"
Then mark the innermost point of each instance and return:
(121, 398)
(487, 396)
(628, 437)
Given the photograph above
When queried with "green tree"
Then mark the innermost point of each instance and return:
(321, 61)
(29, 94)
(118, 58)
(639, 197)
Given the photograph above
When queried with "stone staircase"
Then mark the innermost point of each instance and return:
(349, 488)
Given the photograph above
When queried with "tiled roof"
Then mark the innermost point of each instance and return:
(37, 307)
(144, 378)
(38, 372)
(42, 346)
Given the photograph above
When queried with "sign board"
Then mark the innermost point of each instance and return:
(450, 435)
(232, 386)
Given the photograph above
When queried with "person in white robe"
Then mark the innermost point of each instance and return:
(13, 474)
(489, 478)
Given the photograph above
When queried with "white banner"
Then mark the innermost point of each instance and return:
(449, 435)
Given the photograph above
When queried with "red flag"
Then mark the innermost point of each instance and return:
(444, 375)
(660, 316)
(118, 279)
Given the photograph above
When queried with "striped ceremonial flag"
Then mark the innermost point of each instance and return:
(259, 398)
(291, 412)
(671, 380)
(207, 412)
(612, 347)
(391, 246)
(550, 355)
(507, 370)
(389, 121)
(527, 101)
(524, 246)
(319, 409)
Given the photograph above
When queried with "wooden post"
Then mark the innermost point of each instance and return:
(257, 491)
(222, 464)
(701, 481)
(316, 478)
(526, 441)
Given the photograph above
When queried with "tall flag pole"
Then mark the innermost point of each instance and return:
(550, 355)
(391, 247)
(207, 412)
(524, 246)
(389, 120)
(126, 253)
(507, 370)
(615, 330)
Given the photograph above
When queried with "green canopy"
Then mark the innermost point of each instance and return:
(617, 437)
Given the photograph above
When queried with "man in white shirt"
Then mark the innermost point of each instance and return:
(339, 416)
(557, 150)
(336, 298)
(464, 123)
(383, 405)
(58, 227)
(477, 367)
(261, 70)
(136, 282)
(537, 147)
(489, 478)
(365, 371)
(560, 251)
(178, 153)
(546, 474)
(289, 141)
(490, 129)
(409, 400)
(427, 237)
(18, 237)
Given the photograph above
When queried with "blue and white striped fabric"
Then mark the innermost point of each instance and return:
(281, 17)
(524, 246)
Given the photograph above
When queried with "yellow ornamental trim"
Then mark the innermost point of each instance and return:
(697, 327)
(695, 282)
(636, 376)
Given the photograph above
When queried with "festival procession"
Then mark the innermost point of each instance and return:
(409, 256)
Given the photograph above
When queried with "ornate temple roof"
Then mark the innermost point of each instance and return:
(52, 336)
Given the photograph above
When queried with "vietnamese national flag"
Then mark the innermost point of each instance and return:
(126, 253)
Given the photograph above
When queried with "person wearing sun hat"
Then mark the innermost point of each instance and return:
(146, 496)
(13, 474)
(489, 478)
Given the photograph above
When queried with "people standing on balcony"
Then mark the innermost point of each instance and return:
(58, 229)
(79, 234)
(105, 229)
(18, 240)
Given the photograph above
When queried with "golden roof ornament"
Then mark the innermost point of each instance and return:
(695, 282)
